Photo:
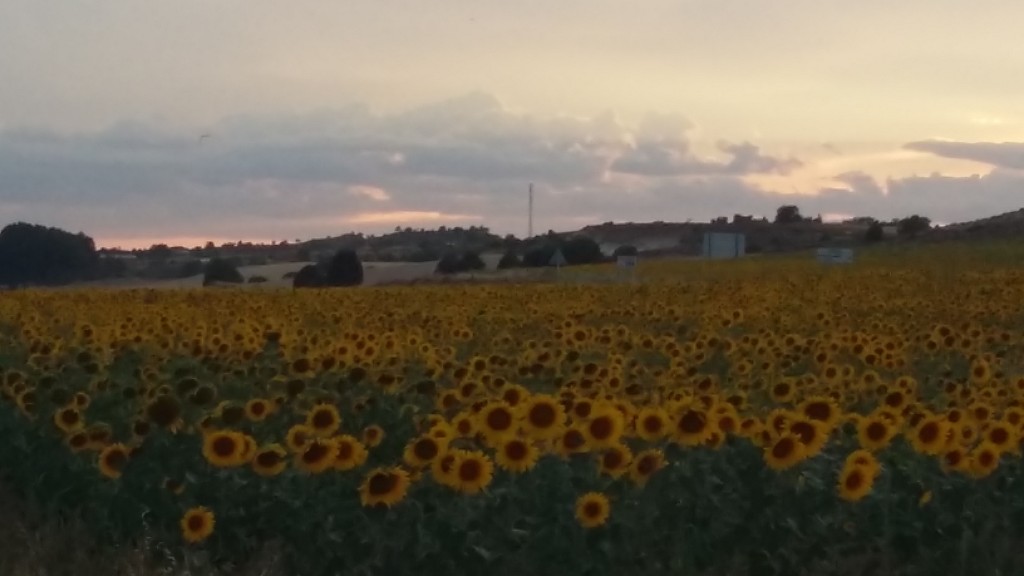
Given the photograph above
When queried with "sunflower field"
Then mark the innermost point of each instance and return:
(763, 416)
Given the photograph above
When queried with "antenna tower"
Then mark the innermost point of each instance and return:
(529, 229)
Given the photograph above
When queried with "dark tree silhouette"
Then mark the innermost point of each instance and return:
(913, 225)
(788, 214)
(308, 277)
(344, 269)
(35, 254)
(221, 270)
(509, 260)
(874, 233)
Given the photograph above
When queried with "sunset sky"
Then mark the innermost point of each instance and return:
(328, 116)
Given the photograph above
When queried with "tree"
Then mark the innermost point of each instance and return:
(221, 270)
(35, 254)
(344, 269)
(788, 214)
(625, 250)
(308, 276)
(874, 233)
(450, 263)
(509, 260)
(471, 261)
(913, 225)
(582, 250)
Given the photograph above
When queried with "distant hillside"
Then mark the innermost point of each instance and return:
(665, 238)
(1007, 225)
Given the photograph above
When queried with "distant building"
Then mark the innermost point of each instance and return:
(722, 245)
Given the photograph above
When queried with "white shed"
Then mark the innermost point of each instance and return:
(720, 245)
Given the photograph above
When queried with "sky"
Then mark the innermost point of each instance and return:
(225, 120)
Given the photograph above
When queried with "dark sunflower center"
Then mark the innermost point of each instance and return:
(653, 424)
(381, 484)
(470, 471)
(877, 431)
(196, 522)
(425, 449)
(224, 446)
(268, 459)
(592, 510)
(315, 452)
(542, 415)
(929, 433)
(783, 448)
(854, 480)
(499, 419)
(323, 419)
(516, 451)
(692, 422)
(601, 427)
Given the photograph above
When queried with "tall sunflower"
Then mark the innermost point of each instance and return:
(497, 421)
(68, 419)
(197, 524)
(373, 435)
(875, 432)
(384, 486)
(517, 455)
(592, 509)
(421, 451)
(224, 448)
(855, 482)
(473, 471)
(646, 464)
(604, 428)
(298, 436)
(543, 417)
(784, 452)
(324, 419)
(318, 456)
(351, 453)
(112, 460)
(652, 423)
(270, 460)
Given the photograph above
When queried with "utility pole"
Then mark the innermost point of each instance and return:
(529, 229)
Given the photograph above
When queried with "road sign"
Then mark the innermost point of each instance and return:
(626, 261)
(558, 259)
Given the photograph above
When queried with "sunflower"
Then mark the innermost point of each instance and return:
(1003, 436)
(318, 456)
(784, 452)
(517, 455)
(604, 428)
(298, 437)
(615, 460)
(592, 509)
(113, 459)
(645, 464)
(324, 419)
(164, 411)
(812, 434)
(572, 441)
(373, 435)
(384, 486)
(257, 409)
(652, 423)
(496, 421)
(473, 471)
(820, 408)
(68, 419)
(78, 441)
(420, 452)
(349, 454)
(855, 482)
(174, 486)
(197, 524)
(543, 417)
(692, 427)
(270, 460)
(983, 460)
(929, 436)
(864, 459)
(464, 425)
(224, 448)
(444, 469)
(955, 459)
(875, 432)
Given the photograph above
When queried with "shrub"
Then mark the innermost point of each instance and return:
(625, 250)
(449, 264)
(582, 250)
(308, 276)
(220, 270)
(344, 269)
(509, 260)
(874, 233)
(190, 269)
(471, 261)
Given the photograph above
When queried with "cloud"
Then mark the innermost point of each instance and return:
(1000, 154)
(462, 161)
(374, 193)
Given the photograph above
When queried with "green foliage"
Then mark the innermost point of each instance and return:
(874, 233)
(625, 250)
(309, 276)
(913, 225)
(788, 214)
(509, 260)
(35, 254)
(453, 263)
(344, 269)
(221, 270)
